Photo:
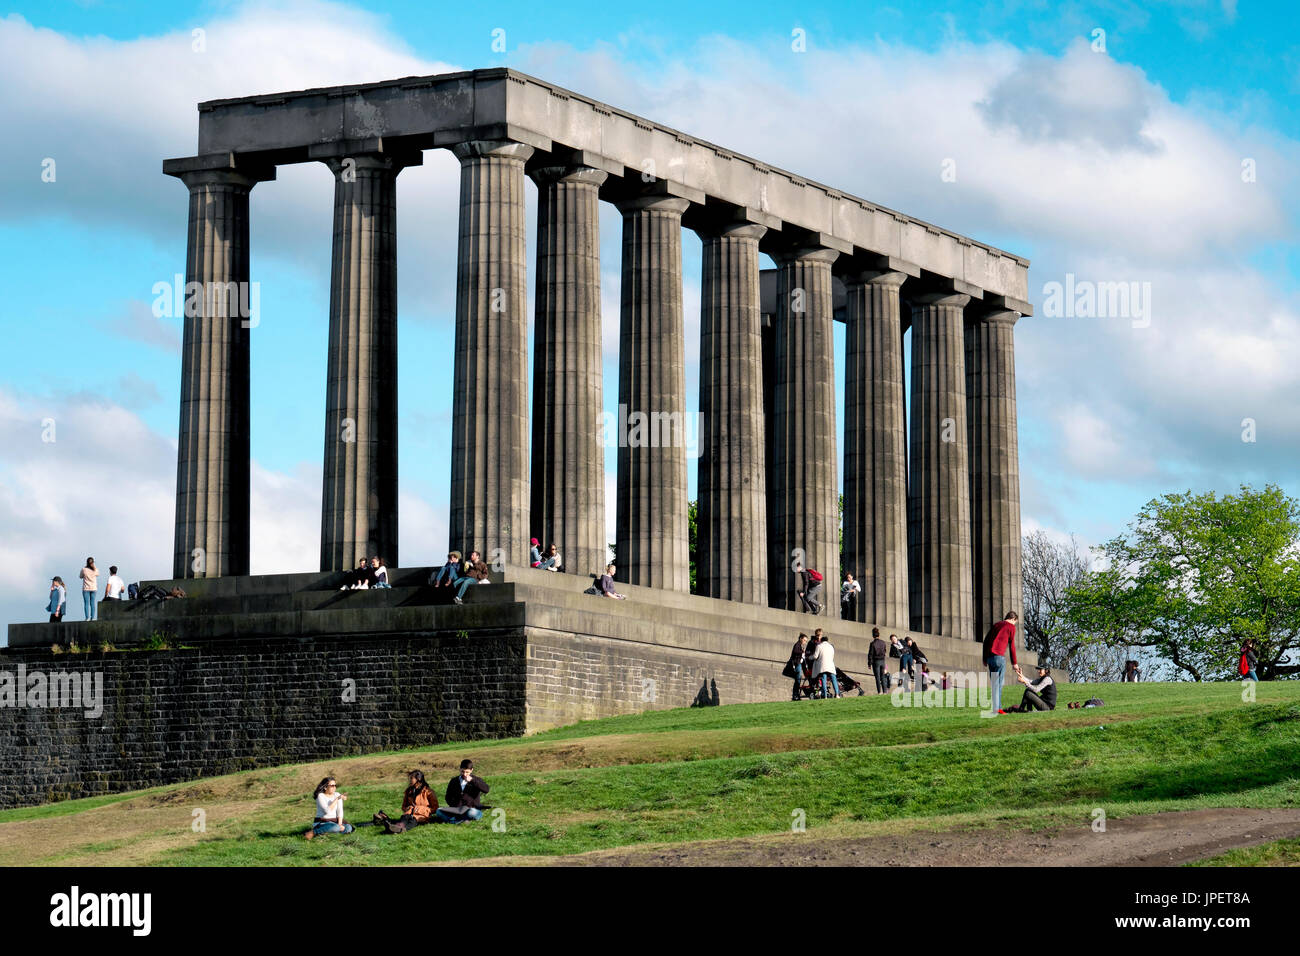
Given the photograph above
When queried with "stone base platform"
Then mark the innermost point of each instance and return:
(287, 668)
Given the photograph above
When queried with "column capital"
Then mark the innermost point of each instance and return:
(737, 229)
(876, 277)
(955, 300)
(223, 169)
(495, 148)
(805, 254)
(657, 203)
(983, 312)
(568, 173)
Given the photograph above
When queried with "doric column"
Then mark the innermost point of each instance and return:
(875, 448)
(568, 466)
(994, 464)
(804, 497)
(732, 520)
(651, 543)
(212, 460)
(359, 495)
(489, 455)
(939, 502)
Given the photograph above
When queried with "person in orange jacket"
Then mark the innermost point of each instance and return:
(419, 804)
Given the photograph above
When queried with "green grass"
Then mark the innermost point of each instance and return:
(733, 771)
(1277, 853)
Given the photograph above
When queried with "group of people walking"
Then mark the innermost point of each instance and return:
(114, 590)
(462, 803)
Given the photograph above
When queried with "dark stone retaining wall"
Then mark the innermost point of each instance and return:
(171, 716)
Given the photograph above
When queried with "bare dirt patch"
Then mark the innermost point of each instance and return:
(1157, 839)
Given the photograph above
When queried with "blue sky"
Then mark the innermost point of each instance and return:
(1122, 164)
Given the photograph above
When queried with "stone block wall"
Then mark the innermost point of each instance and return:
(171, 716)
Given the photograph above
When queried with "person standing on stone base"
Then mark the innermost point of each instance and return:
(58, 600)
(89, 587)
(849, 592)
(877, 656)
(115, 587)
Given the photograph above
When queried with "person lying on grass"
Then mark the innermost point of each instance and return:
(462, 797)
(329, 810)
(419, 804)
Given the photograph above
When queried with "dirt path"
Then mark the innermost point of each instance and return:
(1158, 839)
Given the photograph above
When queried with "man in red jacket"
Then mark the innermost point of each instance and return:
(999, 641)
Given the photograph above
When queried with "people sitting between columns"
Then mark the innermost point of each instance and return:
(329, 809)
(849, 592)
(379, 572)
(824, 665)
(1040, 694)
(552, 561)
(449, 573)
(419, 804)
(359, 578)
(115, 587)
(794, 666)
(877, 660)
(811, 594)
(476, 572)
(534, 553)
(462, 802)
(605, 584)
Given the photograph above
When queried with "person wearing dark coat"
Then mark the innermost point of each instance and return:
(797, 654)
(878, 658)
(462, 798)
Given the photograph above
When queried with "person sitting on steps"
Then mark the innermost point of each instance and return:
(476, 572)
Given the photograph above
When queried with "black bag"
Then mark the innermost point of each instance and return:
(789, 670)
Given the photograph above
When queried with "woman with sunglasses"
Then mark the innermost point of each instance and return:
(329, 809)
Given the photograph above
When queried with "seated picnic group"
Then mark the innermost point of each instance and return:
(461, 804)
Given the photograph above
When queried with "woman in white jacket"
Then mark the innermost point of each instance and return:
(824, 665)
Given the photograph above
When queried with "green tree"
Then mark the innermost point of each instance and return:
(693, 536)
(1196, 576)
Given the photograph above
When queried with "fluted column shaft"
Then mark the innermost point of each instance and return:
(731, 522)
(875, 448)
(212, 461)
(651, 543)
(803, 511)
(994, 465)
(939, 502)
(568, 459)
(489, 459)
(359, 495)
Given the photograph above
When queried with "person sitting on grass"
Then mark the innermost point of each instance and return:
(419, 804)
(329, 810)
(1040, 694)
(462, 797)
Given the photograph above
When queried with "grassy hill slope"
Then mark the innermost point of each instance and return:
(857, 765)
